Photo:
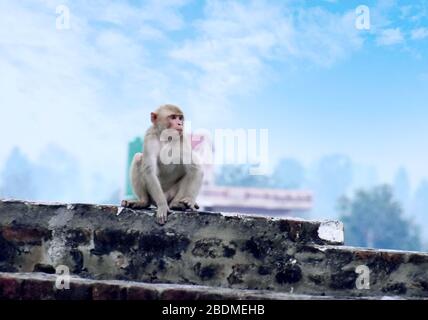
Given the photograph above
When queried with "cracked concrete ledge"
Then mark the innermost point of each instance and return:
(57, 215)
(289, 256)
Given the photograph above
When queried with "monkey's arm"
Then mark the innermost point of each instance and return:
(150, 171)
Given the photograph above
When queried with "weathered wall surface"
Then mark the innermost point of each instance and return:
(42, 286)
(105, 243)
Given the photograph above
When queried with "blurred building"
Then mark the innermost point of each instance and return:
(271, 202)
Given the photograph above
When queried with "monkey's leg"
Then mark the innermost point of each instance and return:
(188, 188)
(138, 185)
(170, 195)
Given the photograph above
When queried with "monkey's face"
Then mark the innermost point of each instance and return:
(176, 121)
(168, 117)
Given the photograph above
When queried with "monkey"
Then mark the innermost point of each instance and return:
(157, 178)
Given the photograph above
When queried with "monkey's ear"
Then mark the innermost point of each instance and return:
(153, 117)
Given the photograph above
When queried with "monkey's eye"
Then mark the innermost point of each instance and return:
(181, 118)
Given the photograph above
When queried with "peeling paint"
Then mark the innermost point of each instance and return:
(331, 231)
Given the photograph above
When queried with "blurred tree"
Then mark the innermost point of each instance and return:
(288, 174)
(419, 207)
(17, 177)
(364, 176)
(401, 187)
(329, 179)
(374, 219)
(56, 175)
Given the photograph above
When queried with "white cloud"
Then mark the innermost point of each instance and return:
(405, 11)
(87, 89)
(324, 37)
(232, 32)
(389, 37)
(236, 42)
(90, 89)
(419, 33)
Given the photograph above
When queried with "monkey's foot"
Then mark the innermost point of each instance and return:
(178, 206)
(134, 204)
(190, 204)
(185, 204)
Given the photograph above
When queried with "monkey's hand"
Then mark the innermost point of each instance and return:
(161, 214)
(189, 203)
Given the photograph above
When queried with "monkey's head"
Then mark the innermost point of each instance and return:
(168, 116)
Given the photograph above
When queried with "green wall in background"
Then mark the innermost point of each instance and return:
(134, 146)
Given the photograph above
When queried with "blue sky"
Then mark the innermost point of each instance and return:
(299, 68)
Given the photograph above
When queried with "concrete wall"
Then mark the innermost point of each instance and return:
(200, 248)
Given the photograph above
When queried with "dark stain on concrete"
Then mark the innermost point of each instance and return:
(207, 248)
(343, 280)
(395, 288)
(238, 271)
(264, 270)
(77, 257)
(258, 247)
(288, 273)
(206, 272)
(109, 240)
(45, 268)
(160, 244)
